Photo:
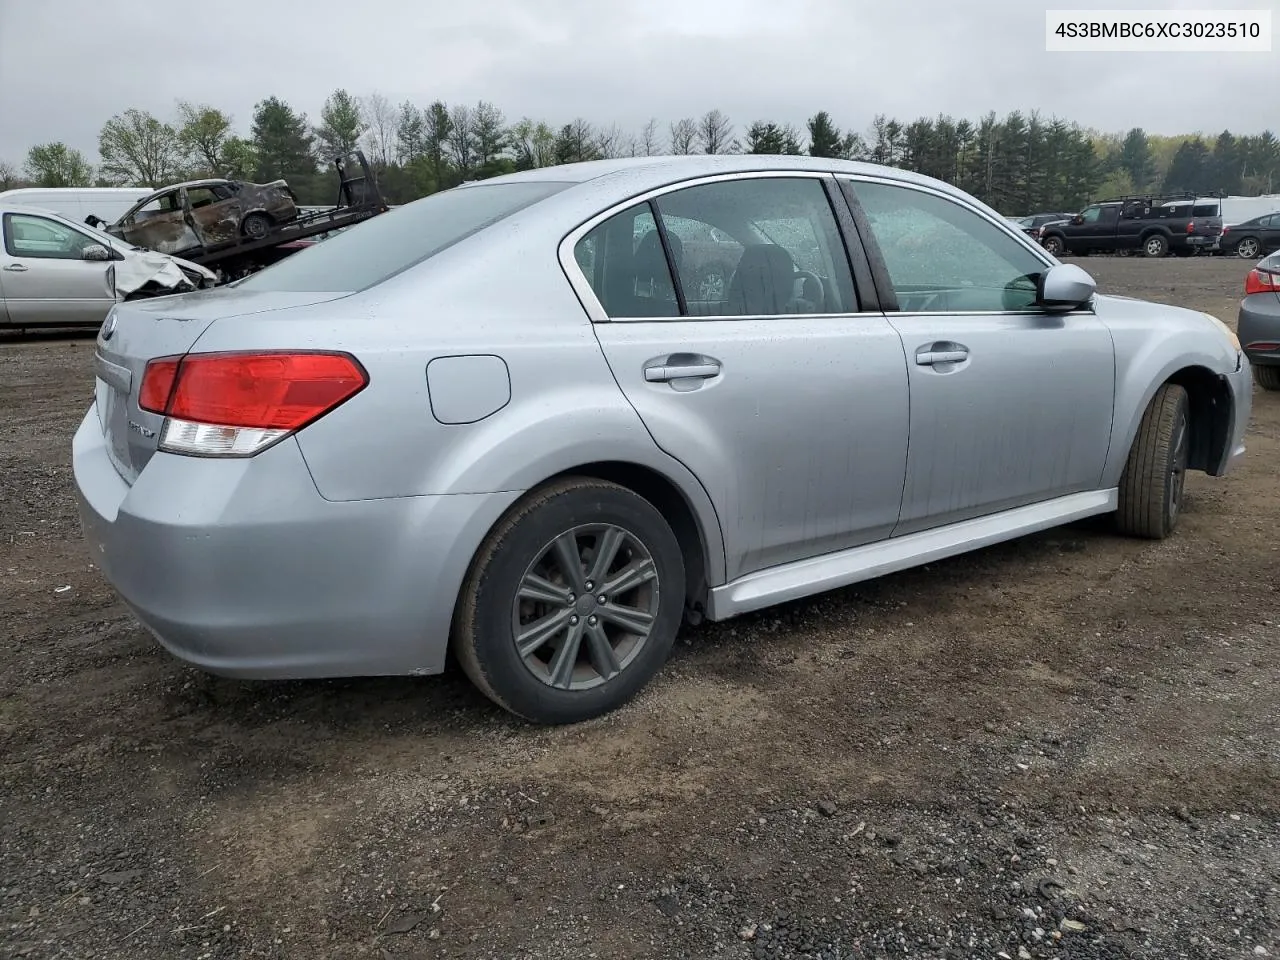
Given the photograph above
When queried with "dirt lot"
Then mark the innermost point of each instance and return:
(1061, 747)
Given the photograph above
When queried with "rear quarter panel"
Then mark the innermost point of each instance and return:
(507, 298)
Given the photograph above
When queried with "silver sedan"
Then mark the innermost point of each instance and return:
(543, 419)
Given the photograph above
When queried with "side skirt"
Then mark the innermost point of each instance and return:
(802, 578)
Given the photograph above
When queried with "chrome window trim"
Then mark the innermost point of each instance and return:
(591, 303)
(596, 313)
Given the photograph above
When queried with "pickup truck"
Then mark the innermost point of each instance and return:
(1150, 226)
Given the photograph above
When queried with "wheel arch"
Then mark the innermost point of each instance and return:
(1210, 400)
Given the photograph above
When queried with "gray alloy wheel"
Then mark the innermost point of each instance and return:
(1248, 249)
(1055, 246)
(572, 602)
(586, 606)
(1155, 246)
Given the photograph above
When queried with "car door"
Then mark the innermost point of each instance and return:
(784, 395)
(1270, 233)
(160, 224)
(1009, 405)
(47, 280)
(215, 211)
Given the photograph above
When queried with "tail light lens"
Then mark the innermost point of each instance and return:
(1261, 281)
(1191, 227)
(237, 404)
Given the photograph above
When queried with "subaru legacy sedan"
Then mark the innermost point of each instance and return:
(507, 422)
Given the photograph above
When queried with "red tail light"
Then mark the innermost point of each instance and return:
(1261, 281)
(236, 404)
(1191, 227)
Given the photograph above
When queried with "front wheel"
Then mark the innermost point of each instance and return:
(572, 603)
(1268, 377)
(1152, 483)
(1055, 246)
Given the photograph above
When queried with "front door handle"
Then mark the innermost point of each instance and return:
(941, 352)
(17, 268)
(681, 366)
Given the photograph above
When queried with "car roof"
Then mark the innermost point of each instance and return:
(667, 169)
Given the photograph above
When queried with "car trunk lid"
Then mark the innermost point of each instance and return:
(137, 332)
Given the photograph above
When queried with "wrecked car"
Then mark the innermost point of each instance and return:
(54, 272)
(200, 214)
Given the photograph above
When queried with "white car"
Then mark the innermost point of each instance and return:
(55, 272)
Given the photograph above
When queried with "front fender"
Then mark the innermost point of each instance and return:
(1148, 355)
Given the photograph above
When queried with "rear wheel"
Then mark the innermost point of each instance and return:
(1155, 245)
(1152, 483)
(256, 226)
(1268, 378)
(572, 603)
(1248, 249)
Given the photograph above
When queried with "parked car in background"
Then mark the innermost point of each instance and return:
(55, 272)
(1259, 321)
(77, 204)
(1029, 225)
(372, 450)
(1253, 238)
(201, 214)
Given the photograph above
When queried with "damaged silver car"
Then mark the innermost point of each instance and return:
(200, 214)
(54, 272)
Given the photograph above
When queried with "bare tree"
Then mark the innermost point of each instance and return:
(649, 145)
(612, 143)
(461, 139)
(684, 134)
(8, 175)
(715, 133)
(380, 137)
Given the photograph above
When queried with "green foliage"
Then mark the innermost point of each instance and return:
(57, 165)
(1019, 163)
(203, 136)
(138, 149)
(282, 142)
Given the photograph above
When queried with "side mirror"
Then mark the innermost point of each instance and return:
(1064, 287)
(96, 252)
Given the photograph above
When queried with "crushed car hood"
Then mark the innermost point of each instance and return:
(141, 267)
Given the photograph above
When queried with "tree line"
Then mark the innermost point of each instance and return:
(1019, 163)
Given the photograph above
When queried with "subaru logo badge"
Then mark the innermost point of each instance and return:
(109, 327)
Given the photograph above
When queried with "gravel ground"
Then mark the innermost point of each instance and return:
(1060, 747)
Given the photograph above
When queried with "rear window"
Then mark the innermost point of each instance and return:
(390, 243)
(1205, 210)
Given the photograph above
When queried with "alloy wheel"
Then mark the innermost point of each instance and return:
(585, 606)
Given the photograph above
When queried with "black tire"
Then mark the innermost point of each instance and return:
(1248, 248)
(1055, 246)
(256, 226)
(488, 618)
(1268, 377)
(1152, 483)
(1155, 245)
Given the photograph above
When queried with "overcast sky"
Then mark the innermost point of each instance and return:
(68, 65)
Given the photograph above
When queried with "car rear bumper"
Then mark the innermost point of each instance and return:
(240, 567)
(1259, 323)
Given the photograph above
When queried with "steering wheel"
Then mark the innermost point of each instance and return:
(817, 281)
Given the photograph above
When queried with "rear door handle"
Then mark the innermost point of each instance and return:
(943, 352)
(681, 366)
(17, 268)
